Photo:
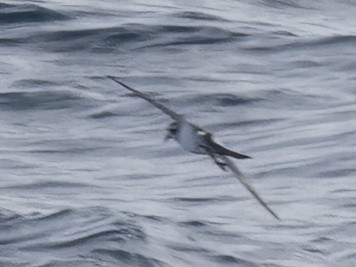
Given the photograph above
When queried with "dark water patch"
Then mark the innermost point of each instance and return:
(8, 219)
(314, 250)
(59, 215)
(71, 35)
(322, 240)
(11, 41)
(200, 200)
(41, 100)
(149, 217)
(107, 36)
(14, 164)
(289, 99)
(289, 224)
(287, 170)
(20, 229)
(196, 40)
(248, 123)
(351, 256)
(263, 49)
(196, 16)
(189, 249)
(103, 115)
(278, 4)
(284, 34)
(8, 164)
(335, 40)
(117, 232)
(93, 238)
(219, 99)
(64, 262)
(16, 239)
(33, 83)
(25, 13)
(98, 39)
(124, 38)
(348, 112)
(89, 227)
(337, 173)
(68, 146)
(179, 29)
(68, 149)
(194, 223)
(226, 236)
(228, 100)
(306, 64)
(47, 185)
(320, 43)
(344, 190)
(71, 214)
(133, 36)
(228, 259)
(126, 257)
(349, 205)
(193, 200)
(141, 176)
(129, 231)
(168, 35)
(154, 218)
(3, 5)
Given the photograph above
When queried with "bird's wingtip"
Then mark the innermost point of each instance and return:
(276, 216)
(117, 80)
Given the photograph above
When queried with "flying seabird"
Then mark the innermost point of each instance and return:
(196, 140)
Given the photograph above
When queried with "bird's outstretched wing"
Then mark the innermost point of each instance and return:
(177, 117)
(169, 112)
(242, 178)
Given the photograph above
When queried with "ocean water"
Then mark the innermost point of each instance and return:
(86, 178)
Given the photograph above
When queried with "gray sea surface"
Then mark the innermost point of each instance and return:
(86, 178)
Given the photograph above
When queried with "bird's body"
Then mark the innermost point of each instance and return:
(190, 137)
(196, 140)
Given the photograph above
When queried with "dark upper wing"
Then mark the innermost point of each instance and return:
(169, 112)
(242, 178)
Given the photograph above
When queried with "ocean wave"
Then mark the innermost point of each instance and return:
(89, 228)
(86, 179)
(38, 100)
(38, 94)
(132, 36)
(304, 44)
(228, 259)
(117, 256)
(198, 16)
(25, 13)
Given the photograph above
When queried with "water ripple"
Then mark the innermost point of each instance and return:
(25, 13)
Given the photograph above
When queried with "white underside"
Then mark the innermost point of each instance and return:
(189, 138)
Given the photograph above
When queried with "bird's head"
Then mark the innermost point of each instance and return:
(171, 131)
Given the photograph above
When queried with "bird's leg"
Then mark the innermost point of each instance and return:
(222, 165)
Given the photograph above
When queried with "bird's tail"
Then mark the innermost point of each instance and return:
(227, 152)
(235, 155)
